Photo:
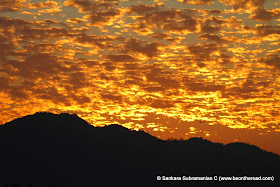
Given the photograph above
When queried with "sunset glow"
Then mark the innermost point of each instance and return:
(173, 68)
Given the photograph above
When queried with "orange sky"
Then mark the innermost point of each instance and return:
(174, 68)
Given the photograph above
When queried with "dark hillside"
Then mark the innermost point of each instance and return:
(63, 149)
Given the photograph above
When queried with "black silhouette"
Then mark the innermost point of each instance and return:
(46, 149)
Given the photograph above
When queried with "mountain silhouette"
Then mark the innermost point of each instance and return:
(47, 149)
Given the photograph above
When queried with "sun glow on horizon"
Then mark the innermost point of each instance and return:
(173, 68)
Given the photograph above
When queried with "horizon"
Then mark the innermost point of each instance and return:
(172, 68)
(67, 151)
(136, 130)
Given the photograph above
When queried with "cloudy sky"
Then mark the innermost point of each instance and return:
(173, 68)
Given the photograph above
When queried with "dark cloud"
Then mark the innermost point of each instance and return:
(214, 11)
(109, 66)
(12, 5)
(213, 19)
(244, 4)
(107, 77)
(132, 66)
(29, 33)
(149, 49)
(249, 89)
(4, 83)
(237, 4)
(51, 94)
(84, 5)
(17, 89)
(267, 30)
(78, 80)
(6, 22)
(225, 58)
(99, 41)
(272, 60)
(200, 86)
(120, 58)
(161, 104)
(103, 17)
(210, 29)
(88, 63)
(162, 77)
(154, 88)
(212, 24)
(38, 65)
(6, 50)
(262, 14)
(161, 35)
(212, 37)
(171, 20)
(142, 9)
(81, 100)
(99, 12)
(112, 97)
(19, 30)
(203, 51)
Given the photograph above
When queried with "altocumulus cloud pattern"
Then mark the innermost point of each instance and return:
(174, 68)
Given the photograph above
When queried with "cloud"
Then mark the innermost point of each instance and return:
(212, 24)
(214, 11)
(161, 104)
(262, 14)
(103, 17)
(201, 86)
(236, 4)
(6, 22)
(202, 52)
(38, 65)
(186, 62)
(99, 41)
(226, 59)
(83, 5)
(248, 90)
(167, 19)
(12, 5)
(197, 2)
(149, 49)
(76, 20)
(142, 9)
(4, 83)
(244, 4)
(112, 97)
(98, 13)
(46, 4)
(78, 80)
(212, 37)
(120, 58)
(272, 60)
(161, 35)
(51, 94)
(162, 77)
(154, 88)
(264, 30)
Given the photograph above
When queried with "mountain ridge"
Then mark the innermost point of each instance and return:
(49, 115)
(45, 145)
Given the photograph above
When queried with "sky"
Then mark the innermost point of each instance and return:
(173, 68)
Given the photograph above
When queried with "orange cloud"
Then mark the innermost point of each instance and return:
(159, 66)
